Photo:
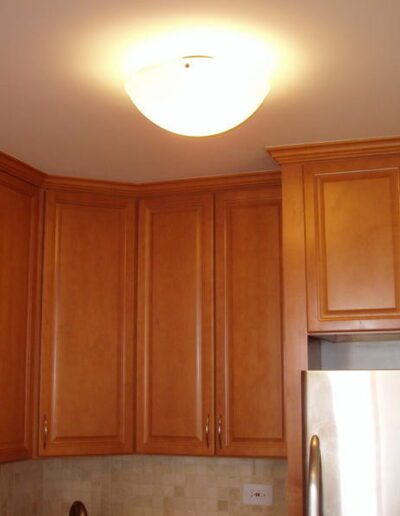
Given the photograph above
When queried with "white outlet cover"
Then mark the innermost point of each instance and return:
(257, 494)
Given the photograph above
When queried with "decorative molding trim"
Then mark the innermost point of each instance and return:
(211, 183)
(78, 184)
(284, 154)
(16, 168)
(252, 179)
(334, 150)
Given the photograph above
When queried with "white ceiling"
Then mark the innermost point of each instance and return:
(63, 108)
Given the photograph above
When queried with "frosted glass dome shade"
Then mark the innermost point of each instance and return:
(198, 95)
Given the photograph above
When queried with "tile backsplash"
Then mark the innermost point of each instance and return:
(140, 485)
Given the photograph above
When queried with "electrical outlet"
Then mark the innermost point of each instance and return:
(257, 494)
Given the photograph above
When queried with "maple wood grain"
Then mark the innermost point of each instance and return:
(19, 238)
(248, 323)
(87, 368)
(175, 325)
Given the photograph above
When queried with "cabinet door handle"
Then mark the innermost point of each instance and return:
(45, 431)
(208, 430)
(219, 431)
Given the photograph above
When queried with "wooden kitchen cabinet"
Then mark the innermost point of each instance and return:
(87, 362)
(340, 242)
(249, 352)
(92, 379)
(353, 244)
(175, 402)
(19, 239)
(176, 409)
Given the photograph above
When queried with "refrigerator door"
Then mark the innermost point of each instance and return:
(355, 418)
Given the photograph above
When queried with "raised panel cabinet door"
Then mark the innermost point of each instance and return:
(175, 326)
(353, 244)
(19, 224)
(249, 351)
(87, 367)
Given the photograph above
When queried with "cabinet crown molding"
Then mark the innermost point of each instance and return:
(140, 190)
(19, 169)
(14, 167)
(334, 150)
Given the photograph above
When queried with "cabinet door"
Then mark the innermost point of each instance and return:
(250, 417)
(87, 401)
(175, 326)
(19, 204)
(352, 239)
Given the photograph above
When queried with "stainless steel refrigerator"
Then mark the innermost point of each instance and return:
(352, 442)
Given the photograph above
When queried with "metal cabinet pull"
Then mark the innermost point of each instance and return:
(45, 431)
(314, 499)
(208, 430)
(219, 431)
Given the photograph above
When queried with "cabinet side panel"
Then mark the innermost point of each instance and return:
(295, 325)
(18, 232)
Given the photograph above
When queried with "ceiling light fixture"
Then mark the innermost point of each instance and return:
(199, 95)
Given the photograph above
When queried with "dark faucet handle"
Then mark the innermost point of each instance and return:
(78, 509)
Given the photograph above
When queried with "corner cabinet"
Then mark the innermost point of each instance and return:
(175, 325)
(19, 264)
(87, 361)
(249, 358)
(176, 352)
(352, 222)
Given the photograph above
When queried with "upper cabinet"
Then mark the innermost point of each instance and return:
(178, 265)
(347, 226)
(87, 361)
(175, 325)
(179, 353)
(352, 209)
(19, 237)
(249, 358)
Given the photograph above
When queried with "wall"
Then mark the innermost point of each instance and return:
(379, 354)
(139, 485)
(21, 486)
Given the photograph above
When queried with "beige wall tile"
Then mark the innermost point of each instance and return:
(139, 485)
